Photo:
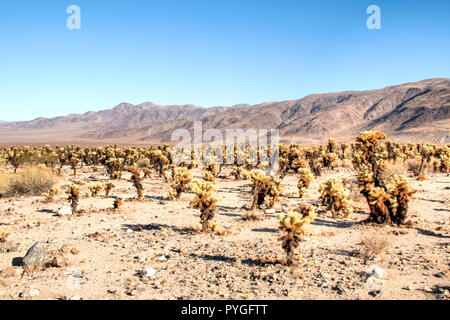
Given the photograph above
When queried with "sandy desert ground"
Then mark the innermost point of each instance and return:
(102, 252)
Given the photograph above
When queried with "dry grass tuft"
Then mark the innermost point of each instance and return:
(345, 163)
(143, 163)
(31, 181)
(355, 193)
(395, 168)
(374, 243)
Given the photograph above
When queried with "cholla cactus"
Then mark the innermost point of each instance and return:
(293, 224)
(205, 200)
(114, 167)
(262, 186)
(387, 202)
(3, 235)
(159, 161)
(137, 181)
(117, 204)
(335, 198)
(208, 176)
(445, 163)
(425, 154)
(329, 160)
(275, 189)
(147, 173)
(182, 178)
(49, 196)
(369, 155)
(74, 163)
(400, 191)
(379, 203)
(74, 194)
(95, 189)
(305, 179)
(108, 187)
(236, 172)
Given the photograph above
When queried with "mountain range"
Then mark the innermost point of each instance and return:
(410, 112)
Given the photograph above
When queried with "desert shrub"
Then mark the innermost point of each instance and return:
(394, 168)
(32, 181)
(293, 224)
(143, 163)
(4, 179)
(417, 167)
(344, 163)
(374, 243)
(355, 194)
(334, 197)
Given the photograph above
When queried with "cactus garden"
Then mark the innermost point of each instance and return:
(310, 230)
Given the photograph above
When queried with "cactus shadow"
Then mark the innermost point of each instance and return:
(237, 190)
(209, 257)
(431, 200)
(17, 261)
(159, 198)
(47, 211)
(270, 230)
(157, 226)
(442, 210)
(333, 224)
(431, 233)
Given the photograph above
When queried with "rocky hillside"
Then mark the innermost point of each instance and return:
(418, 111)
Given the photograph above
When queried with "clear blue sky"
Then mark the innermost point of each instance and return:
(209, 52)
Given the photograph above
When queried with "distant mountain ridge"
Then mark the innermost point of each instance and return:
(417, 111)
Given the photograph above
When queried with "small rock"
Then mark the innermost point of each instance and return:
(408, 288)
(270, 211)
(59, 261)
(35, 256)
(65, 249)
(148, 272)
(376, 272)
(64, 211)
(9, 247)
(375, 293)
(29, 293)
